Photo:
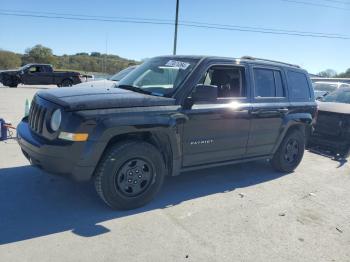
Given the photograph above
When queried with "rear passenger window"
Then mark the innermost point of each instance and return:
(268, 83)
(298, 85)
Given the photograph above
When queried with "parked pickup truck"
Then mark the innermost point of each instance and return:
(169, 115)
(39, 74)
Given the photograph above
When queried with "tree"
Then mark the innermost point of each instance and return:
(39, 54)
(96, 54)
(345, 74)
(82, 53)
(328, 73)
(9, 60)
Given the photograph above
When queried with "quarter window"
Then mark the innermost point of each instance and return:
(268, 83)
(298, 85)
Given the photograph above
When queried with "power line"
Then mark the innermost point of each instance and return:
(169, 21)
(267, 32)
(316, 4)
(183, 23)
(263, 28)
(84, 15)
(338, 2)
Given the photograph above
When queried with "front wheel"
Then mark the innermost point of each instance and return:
(290, 152)
(13, 85)
(129, 175)
(66, 82)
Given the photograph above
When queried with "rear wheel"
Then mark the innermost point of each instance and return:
(129, 175)
(345, 153)
(66, 82)
(290, 152)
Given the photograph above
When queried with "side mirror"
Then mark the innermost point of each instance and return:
(205, 93)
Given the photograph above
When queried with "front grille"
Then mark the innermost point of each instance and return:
(36, 118)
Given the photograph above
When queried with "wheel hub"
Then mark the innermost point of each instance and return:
(134, 177)
(291, 151)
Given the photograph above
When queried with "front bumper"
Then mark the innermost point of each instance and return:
(76, 160)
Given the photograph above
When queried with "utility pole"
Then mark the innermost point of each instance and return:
(176, 23)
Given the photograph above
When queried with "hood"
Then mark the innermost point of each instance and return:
(11, 71)
(333, 107)
(82, 98)
(98, 83)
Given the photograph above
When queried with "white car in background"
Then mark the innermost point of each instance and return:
(323, 88)
(110, 82)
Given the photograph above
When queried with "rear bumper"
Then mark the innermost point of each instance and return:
(76, 160)
(334, 143)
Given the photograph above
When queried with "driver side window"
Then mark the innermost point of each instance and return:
(33, 70)
(229, 81)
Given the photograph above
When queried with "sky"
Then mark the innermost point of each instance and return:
(139, 41)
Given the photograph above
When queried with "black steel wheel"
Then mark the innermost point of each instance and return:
(66, 82)
(290, 152)
(134, 177)
(129, 174)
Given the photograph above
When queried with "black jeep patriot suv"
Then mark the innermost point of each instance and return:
(171, 114)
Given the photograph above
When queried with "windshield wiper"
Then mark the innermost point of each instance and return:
(137, 89)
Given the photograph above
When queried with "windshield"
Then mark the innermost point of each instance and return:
(121, 74)
(328, 87)
(339, 96)
(160, 75)
(25, 67)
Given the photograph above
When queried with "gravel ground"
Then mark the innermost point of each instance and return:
(244, 212)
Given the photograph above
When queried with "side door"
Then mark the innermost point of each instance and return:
(218, 130)
(46, 75)
(28, 77)
(270, 105)
(34, 76)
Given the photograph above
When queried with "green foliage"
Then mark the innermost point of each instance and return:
(328, 73)
(83, 62)
(345, 74)
(9, 60)
(109, 64)
(39, 54)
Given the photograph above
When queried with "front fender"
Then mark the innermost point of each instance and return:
(163, 128)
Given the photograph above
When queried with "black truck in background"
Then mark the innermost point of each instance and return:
(39, 74)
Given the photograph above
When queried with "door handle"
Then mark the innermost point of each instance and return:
(255, 112)
(283, 110)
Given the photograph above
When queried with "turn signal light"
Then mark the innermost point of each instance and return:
(77, 137)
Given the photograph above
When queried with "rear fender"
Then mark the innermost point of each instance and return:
(297, 120)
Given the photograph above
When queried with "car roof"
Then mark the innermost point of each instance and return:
(244, 59)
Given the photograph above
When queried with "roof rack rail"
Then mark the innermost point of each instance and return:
(267, 60)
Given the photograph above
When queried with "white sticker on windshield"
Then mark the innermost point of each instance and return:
(179, 64)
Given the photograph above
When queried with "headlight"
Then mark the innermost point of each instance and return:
(56, 120)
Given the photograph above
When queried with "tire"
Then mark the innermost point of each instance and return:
(290, 152)
(66, 82)
(345, 153)
(122, 165)
(10, 83)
